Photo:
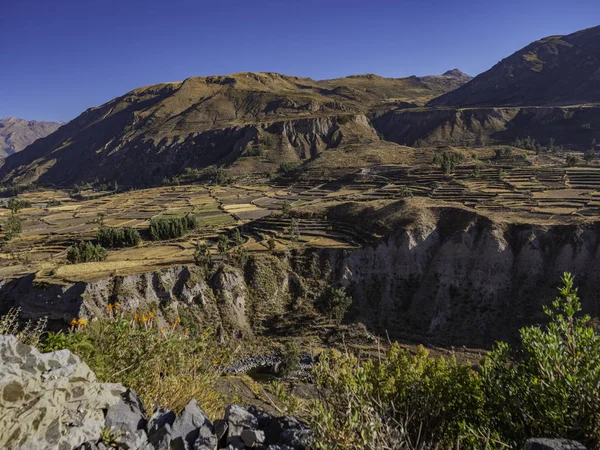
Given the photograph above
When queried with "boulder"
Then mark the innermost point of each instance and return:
(553, 444)
(160, 417)
(128, 415)
(239, 419)
(186, 427)
(49, 400)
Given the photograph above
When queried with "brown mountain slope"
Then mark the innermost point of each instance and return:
(557, 70)
(16, 134)
(156, 132)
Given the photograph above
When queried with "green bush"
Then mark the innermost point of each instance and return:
(118, 237)
(165, 365)
(335, 304)
(15, 204)
(171, 227)
(447, 161)
(11, 226)
(290, 360)
(403, 401)
(549, 385)
(85, 252)
(571, 160)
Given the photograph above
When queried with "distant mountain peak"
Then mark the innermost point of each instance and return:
(455, 73)
(16, 133)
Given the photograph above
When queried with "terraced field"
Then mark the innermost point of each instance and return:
(511, 190)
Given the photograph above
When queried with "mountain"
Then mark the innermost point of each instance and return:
(557, 70)
(16, 134)
(156, 132)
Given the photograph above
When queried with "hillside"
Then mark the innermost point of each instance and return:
(154, 132)
(557, 70)
(16, 134)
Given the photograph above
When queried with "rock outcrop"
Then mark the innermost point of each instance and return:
(53, 401)
(49, 401)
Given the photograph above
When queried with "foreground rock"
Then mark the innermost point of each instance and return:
(54, 401)
(553, 444)
(50, 400)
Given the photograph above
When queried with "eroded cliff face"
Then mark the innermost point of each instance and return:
(569, 126)
(471, 283)
(459, 279)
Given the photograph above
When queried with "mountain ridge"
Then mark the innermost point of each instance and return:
(555, 70)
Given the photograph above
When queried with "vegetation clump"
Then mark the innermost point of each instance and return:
(165, 365)
(162, 228)
(109, 237)
(547, 386)
(15, 204)
(335, 303)
(447, 161)
(85, 251)
(11, 227)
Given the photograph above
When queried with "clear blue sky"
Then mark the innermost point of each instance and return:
(59, 57)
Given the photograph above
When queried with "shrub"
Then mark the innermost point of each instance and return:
(118, 237)
(335, 304)
(549, 385)
(288, 168)
(85, 252)
(11, 226)
(447, 161)
(572, 160)
(15, 204)
(171, 227)
(290, 360)
(202, 254)
(403, 401)
(164, 366)
(342, 120)
(223, 245)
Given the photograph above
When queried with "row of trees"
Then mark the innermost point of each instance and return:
(109, 237)
(85, 251)
(162, 228)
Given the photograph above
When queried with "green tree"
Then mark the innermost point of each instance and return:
(201, 254)
(223, 245)
(294, 230)
(285, 208)
(271, 243)
(548, 386)
(572, 160)
(11, 226)
(15, 204)
(336, 303)
(589, 155)
(290, 360)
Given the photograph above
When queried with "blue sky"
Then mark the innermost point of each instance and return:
(60, 57)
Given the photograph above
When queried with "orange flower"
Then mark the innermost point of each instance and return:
(214, 362)
(150, 315)
(172, 326)
(82, 322)
(204, 333)
(178, 320)
(117, 305)
(136, 316)
(144, 318)
(74, 322)
(109, 307)
(162, 330)
(187, 330)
